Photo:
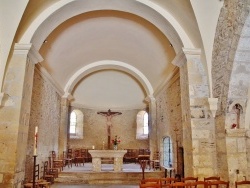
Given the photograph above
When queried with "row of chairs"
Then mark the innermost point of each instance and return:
(190, 182)
(50, 171)
(47, 178)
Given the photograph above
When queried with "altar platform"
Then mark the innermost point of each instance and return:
(131, 174)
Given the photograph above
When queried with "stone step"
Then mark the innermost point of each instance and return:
(110, 177)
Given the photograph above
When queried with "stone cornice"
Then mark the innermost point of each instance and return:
(149, 99)
(28, 49)
(191, 51)
(213, 105)
(179, 59)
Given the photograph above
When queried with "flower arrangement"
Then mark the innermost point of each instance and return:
(234, 126)
(116, 140)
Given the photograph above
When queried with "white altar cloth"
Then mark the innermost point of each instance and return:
(116, 154)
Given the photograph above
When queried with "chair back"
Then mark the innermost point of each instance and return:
(179, 184)
(218, 184)
(189, 179)
(149, 185)
(165, 182)
(200, 184)
(150, 180)
(245, 183)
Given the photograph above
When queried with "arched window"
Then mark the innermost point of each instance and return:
(72, 128)
(145, 123)
(142, 125)
(76, 124)
(167, 152)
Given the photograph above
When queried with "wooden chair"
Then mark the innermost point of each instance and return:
(200, 184)
(47, 173)
(189, 179)
(78, 158)
(149, 185)
(218, 184)
(56, 162)
(52, 170)
(179, 185)
(67, 159)
(212, 178)
(155, 162)
(245, 183)
(150, 180)
(165, 182)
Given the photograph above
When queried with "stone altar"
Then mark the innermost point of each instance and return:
(116, 154)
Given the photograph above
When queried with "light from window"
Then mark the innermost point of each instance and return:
(142, 125)
(145, 123)
(167, 152)
(72, 128)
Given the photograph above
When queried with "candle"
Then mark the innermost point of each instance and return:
(93, 147)
(35, 140)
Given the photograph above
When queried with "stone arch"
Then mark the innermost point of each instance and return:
(60, 11)
(229, 83)
(107, 64)
(227, 78)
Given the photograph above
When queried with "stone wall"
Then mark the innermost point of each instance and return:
(45, 114)
(169, 116)
(95, 130)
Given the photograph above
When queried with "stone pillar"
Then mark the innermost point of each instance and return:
(236, 147)
(64, 124)
(15, 113)
(198, 132)
(152, 126)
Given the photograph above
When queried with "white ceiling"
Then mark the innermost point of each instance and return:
(105, 35)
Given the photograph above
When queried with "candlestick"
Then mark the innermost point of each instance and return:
(35, 140)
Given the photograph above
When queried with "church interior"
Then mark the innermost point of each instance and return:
(162, 85)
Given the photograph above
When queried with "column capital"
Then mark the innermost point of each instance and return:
(181, 58)
(68, 96)
(213, 105)
(28, 49)
(191, 51)
(150, 99)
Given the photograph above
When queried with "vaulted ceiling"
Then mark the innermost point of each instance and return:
(109, 53)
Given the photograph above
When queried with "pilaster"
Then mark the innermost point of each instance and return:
(15, 113)
(152, 125)
(64, 127)
(198, 122)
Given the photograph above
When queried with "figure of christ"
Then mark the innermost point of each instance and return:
(109, 116)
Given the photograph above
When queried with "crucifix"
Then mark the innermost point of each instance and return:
(109, 116)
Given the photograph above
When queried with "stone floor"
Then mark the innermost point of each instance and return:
(131, 167)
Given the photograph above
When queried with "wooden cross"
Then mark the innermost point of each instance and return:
(109, 116)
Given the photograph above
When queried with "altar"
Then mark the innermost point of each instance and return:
(116, 154)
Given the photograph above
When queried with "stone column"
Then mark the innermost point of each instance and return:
(64, 124)
(198, 133)
(152, 126)
(236, 146)
(15, 113)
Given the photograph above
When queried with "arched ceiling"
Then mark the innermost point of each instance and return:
(141, 38)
